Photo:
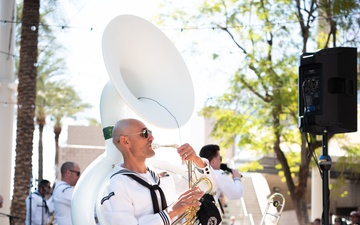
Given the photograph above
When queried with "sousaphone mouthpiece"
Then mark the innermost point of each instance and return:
(157, 146)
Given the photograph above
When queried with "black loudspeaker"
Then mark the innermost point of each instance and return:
(328, 91)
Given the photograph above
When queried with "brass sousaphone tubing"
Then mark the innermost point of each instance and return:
(188, 217)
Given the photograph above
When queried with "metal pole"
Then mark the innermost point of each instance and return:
(7, 98)
(325, 165)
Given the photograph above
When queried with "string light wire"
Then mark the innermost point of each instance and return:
(63, 27)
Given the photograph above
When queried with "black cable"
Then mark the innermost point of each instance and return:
(312, 153)
(177, 124)
(307, 135)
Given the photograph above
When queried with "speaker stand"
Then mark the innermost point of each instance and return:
(325, 165)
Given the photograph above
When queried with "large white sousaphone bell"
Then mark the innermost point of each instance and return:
(149, 81)
(148, 71)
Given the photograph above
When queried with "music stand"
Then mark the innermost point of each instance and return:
(11, 218)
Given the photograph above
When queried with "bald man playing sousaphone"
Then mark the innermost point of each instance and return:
(136, 193)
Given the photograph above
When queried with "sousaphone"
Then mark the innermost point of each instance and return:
(149, 80)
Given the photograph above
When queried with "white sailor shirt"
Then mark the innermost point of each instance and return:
(128, 202)
(231, 188)
(62, 196)
(41, 209)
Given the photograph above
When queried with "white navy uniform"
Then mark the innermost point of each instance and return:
(128, 202)
(231, 188)
(41, 209)
(62, 196)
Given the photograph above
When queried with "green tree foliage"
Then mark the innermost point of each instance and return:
(259, 107)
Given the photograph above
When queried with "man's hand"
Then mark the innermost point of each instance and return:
(187, 199)
(187, 152)
(236, 174)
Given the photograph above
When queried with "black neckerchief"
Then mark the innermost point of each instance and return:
(152, 188)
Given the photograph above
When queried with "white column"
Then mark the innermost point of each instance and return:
(7, 101)
(316, 194)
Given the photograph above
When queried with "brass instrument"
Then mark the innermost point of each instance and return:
(188, 217)
(276, 203)
(52, 219)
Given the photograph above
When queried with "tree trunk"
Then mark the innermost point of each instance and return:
(41, 131)
(301, 210)
(26, 107)
(57, 131)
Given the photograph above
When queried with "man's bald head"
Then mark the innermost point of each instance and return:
(123, 127)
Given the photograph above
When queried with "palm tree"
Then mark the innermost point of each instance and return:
(47, 69)
(49, 82)
(26, 106)
(50, 64)
(64, 103)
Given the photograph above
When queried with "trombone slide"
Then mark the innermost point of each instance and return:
(276, 204)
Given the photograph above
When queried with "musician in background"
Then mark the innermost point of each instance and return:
(339, 221)
(39, 205)
(232, 188)
(62, 195)
(136, 194)
(354, 217)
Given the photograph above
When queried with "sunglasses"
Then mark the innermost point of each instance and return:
(144, 133)
(77, 172)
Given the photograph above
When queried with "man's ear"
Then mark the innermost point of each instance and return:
(124, 140)
(211, 162)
